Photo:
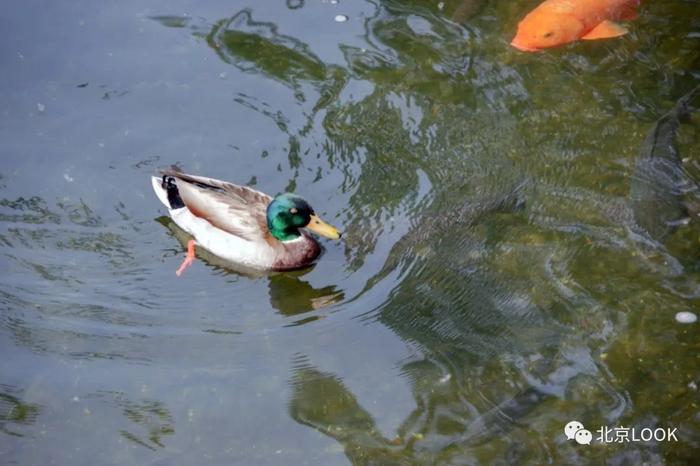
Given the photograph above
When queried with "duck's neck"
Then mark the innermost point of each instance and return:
(282, 231)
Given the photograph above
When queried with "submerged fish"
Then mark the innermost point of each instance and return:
(467, 10)
(558, 22)
(658, 180)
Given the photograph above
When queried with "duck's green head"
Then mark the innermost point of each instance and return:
(288, 212)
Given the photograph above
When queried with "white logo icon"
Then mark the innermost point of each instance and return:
(583, 437)
(571, 428)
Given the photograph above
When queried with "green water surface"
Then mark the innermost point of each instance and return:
(491, 284)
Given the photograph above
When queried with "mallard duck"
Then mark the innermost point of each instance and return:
(242, 225)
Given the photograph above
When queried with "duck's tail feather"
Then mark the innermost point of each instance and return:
(166, 190)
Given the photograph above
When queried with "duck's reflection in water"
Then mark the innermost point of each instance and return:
(290, 295)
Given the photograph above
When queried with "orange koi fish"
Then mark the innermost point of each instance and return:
(558, 22)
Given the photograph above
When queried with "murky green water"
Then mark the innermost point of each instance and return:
(491, 285)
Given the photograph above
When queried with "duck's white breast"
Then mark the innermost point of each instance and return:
(232, 248)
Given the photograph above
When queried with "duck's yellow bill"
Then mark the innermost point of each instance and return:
(320, 227)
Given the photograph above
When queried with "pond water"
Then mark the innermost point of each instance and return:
(491, 285)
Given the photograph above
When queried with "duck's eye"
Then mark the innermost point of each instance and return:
(293, 210)
(548, 34)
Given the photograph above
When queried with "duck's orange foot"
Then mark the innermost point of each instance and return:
(188, 259)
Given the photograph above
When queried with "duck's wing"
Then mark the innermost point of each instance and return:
(238, 210)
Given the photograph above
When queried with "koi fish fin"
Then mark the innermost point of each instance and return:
(605, 30)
